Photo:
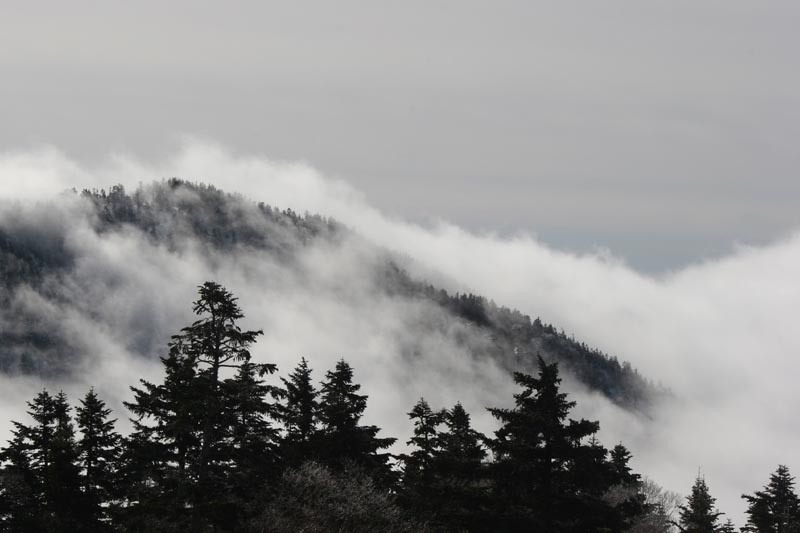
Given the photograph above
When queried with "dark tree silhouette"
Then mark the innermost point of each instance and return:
(442, 478)
(299, 413)
(539, 485)
(699, 514)
(462, 452)
(420, 489)
(418, 465)
(193, 431)
(626, 494)
(204, 454)
(342, 438)
(21, 499)
(99, 450)
(159, 456)
(42, 470)
(252, 443)
(776, 508)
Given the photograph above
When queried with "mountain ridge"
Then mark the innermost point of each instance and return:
(174, 212)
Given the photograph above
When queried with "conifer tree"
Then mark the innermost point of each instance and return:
(156, 463)
(630, 505)
(699, 515)
(214, 342)
(605, 489)
(21, 492)
(299, 413)
(253, 450)
(99, 449)
(441, 474)
(421, 489)
(462, 453)
(620, 466)
(21, 501)
(42, 471)
(535, 451)
(342, 438)
(200, 429)
(776, 508)
(425, 441)
(60, 470)
(461, 501)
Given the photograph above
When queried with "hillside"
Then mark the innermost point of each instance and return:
(41, 251)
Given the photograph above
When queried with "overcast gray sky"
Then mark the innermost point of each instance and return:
(664, 130)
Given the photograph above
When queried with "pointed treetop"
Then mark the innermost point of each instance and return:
(699, 514)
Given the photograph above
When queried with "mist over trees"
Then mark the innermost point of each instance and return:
(239, 449)
(220, 445)
(38, 258)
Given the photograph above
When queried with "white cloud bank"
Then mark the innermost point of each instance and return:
(720, 334)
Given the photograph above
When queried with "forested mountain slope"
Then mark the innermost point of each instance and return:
(46, 275)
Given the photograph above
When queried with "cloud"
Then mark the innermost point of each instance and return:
(577, 115)
(720, 334)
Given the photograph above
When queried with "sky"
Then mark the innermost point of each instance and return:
(663, 131)
(627, 168)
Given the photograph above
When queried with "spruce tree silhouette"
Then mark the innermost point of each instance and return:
(299, 413)
(99, 450)
(699, 515)
(342, 439)
(193, 433)
(538, 486)
(41, 463)
(776, 508)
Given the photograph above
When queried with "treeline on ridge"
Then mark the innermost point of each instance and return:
(174, 210)
(218, 446)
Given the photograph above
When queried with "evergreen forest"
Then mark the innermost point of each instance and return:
(222, 443)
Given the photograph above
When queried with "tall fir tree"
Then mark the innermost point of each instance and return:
(699, 514)
(630, 505)
(620, 467)
(459, 469)
(776, 508)
(21, 500)
(425, 443)
(420, 489)
(194, 432)
(42, 471)
(537, 486)
(158, 453)
(342, 438)
(214, 342)
(253, 455)
(299, 413)
(60, 471)
(99, 450)
(461, 452)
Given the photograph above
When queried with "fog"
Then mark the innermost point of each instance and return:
(720, 334)
(550, 116)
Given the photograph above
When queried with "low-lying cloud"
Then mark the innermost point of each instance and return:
(720, 334)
